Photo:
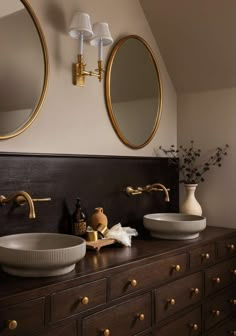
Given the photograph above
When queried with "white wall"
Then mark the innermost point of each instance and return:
(209, 119)
(75, 120)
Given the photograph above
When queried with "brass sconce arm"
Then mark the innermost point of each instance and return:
(130, 191)
(22, 197)
(80, 72)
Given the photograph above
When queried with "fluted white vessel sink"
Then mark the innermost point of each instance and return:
(175, 226)
(40, 254)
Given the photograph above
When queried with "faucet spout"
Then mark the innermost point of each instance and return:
(154, 187)
(20, 197)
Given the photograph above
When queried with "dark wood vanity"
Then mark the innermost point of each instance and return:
(156, 287)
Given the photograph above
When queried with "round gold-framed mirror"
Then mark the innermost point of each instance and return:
(24, 67)
(133, 91)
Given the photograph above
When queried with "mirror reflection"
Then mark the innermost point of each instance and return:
(23, 67)
(133, 91)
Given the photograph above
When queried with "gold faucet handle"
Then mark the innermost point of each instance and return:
(132, 191)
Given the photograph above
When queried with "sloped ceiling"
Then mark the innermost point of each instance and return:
(8, 7)
(197, 39)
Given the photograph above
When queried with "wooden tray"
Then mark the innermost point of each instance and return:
(96, 245)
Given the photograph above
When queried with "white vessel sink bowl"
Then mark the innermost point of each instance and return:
(175, 226)
(40, 254)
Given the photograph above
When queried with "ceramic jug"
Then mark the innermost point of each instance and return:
(99, 221)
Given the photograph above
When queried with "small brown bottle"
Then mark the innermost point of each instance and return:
(79, 225)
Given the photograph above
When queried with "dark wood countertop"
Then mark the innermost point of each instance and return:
(95, 263)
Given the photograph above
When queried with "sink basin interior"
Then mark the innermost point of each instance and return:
(38, 241)
(175, 226)
(40, 254)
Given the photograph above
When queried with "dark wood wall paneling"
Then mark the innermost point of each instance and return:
(98, 180)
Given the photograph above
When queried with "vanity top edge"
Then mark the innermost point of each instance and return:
(95, 264)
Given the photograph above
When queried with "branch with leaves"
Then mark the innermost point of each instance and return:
(192, 169)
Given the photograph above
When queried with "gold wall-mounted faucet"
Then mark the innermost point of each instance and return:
(150, 187)
(22, 197)
(154, 187)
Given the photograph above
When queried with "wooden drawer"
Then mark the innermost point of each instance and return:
(219, 307)
(203, 255)
(220, 275)
(189, 324)
(65, 330)
(226, 247)
(178, 295)
(29, 317)
(228, 328)
(77, 299)
(124, 319)
(145, 276)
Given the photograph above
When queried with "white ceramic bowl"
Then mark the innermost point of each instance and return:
(40, 254)
(175, 226)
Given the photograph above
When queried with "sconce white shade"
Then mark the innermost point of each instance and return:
(101, 33)
(80, 25)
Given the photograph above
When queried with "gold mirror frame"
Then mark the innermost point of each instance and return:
(46, 72)
(108, 92)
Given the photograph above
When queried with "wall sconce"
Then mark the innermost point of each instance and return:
(80, 28)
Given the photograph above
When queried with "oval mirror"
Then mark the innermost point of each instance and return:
(133, 91)
(23, 67)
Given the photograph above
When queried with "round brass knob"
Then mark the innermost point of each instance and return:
(176, 268)
(231, 247)
(133, 283)
(141, 317)
(233, 271)
(106, 332)
(195, 290)
(217, 280)
(12, 324)
(194, 326)
(171, 302)
(206, 256)
(233, 301)
(216, 312)
(85, 300)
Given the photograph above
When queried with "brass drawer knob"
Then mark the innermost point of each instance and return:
(172, 302)
(176, 268)
(217, 280)
(233, 271)
(12, 324)
(106, 332)
(206, 256)
(133, 283)
(216, 312)
(140, 317)
(194, 326)
(233, 301)
(231, 247)
(85, 300)
(195, 291)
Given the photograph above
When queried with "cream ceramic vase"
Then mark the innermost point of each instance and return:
(190, 205)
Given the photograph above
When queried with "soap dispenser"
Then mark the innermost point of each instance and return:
(79, 225)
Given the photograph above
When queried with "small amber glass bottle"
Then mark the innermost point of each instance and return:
(79, 225)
